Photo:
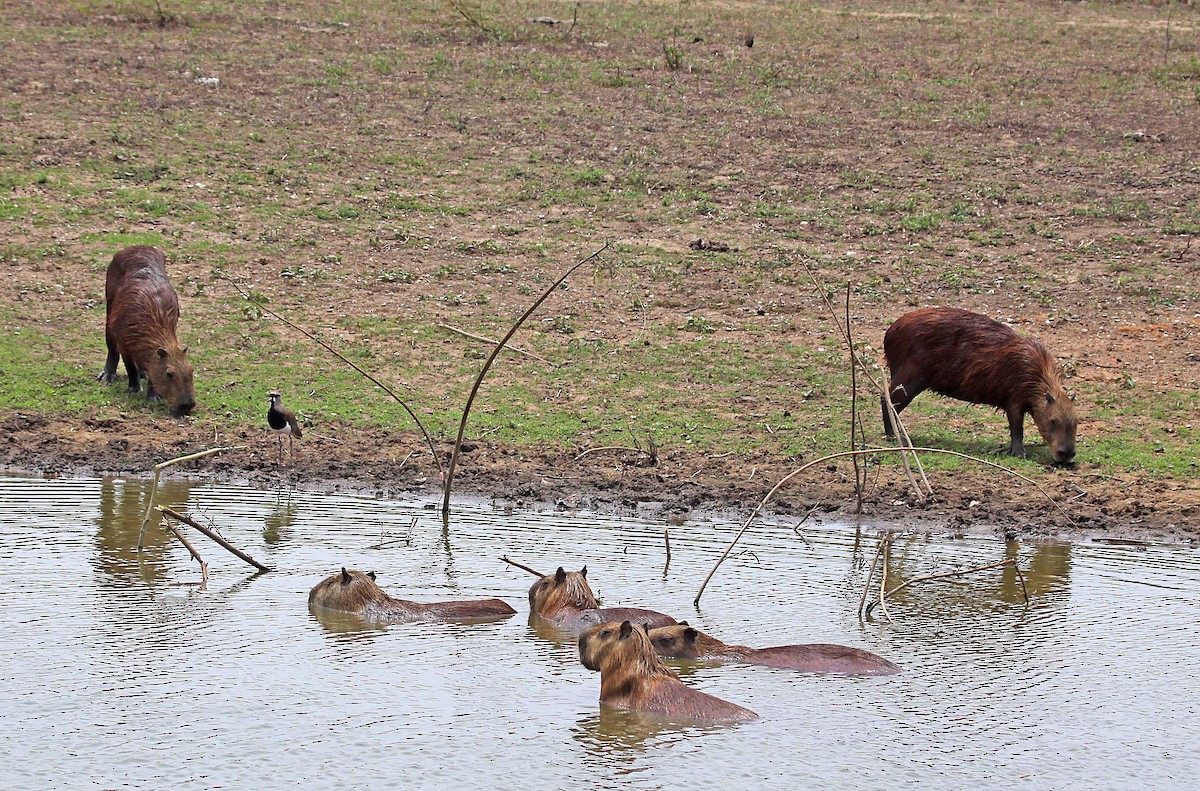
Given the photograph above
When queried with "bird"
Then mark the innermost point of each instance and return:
(281, 419)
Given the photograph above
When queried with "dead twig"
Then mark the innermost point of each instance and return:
(862, 603)
(521, 566)
(462, 424)
(612, 447)
(492, 341)
(191, 549)
(214, 536)
(158, 469)
(667, 541)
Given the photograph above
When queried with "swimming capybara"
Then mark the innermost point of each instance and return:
(633, 677)
(974, 358)
(142, 315)
(356, 592)
(565, 599)
(683, 642)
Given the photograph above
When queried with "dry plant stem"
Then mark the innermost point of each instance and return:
(775, 489)
(859, 475)
(884, 594)
(512, 349)
(521, 566)
(862, 603)
(887, 556)
(428, 440)
(902, 439)
(190, 548)
(462, 424)
(193, 523)
(611, 447)
(158, 468)
(667, 541)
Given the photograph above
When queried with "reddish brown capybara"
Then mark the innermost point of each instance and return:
(356, 592)
(974, 358)
(143, 312)
(633, 677)
(683, 642)
(565, 599)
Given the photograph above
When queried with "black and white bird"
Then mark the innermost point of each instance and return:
(281, 420)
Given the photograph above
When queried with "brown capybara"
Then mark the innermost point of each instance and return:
(683, 642)
(974, 358)
(633, 677)
(565, 599)
(142, 315)
(356, 592)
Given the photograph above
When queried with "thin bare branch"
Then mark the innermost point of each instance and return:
(158, 470)
(462, 424)
(215, 537)
(521, 566)
(492, 341)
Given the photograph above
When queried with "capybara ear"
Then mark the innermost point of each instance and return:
(583, 572)
(560, 576)
(345, 576)
(1049, 398)
(682, 623)
(690, 634)
(162, 352)
(371, 574)
(626, 629)
(646, 629)
(185, 349)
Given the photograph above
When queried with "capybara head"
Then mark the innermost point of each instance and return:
(676, 641)
(562, 589)
(611, 646)
(1054, 415)
(170, 375)
(350, 591)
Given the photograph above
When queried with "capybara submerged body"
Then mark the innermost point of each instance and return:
(974, 358)
(356, 592)
(683, 642)
(565, 599)
(141, 318)
(633, 677)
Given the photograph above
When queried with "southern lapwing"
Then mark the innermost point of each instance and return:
(282, 420)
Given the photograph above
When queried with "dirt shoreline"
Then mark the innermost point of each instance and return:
(679, 483)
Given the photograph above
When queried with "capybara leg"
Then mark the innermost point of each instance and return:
(150, 394)
(110, 366)
(1016, 431)
(131, 368)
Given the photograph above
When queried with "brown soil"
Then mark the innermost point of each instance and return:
(1075, 161)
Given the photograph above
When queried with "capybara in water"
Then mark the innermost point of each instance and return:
(142, 315)
(683, 642)
(974, 358)
(633, 677)
(356, 592)
(566, 599)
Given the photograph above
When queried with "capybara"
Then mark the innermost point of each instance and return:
(683, 642)
(633, 677)
(565, 599)
(356, 592)
(142, 315)
(974, 358)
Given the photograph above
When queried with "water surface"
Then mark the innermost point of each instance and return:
(122, 672)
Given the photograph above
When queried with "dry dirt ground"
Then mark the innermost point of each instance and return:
(1033, 161)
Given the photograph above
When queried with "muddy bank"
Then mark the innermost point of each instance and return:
(674, 483)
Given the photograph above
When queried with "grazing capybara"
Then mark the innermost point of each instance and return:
(683, 642)
(356, 592)
(142, 315)
(565, 599)
(974, 358)
(633, 677)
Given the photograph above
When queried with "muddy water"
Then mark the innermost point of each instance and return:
(120, 671)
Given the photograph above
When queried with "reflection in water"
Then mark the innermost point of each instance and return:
(122, 505)
(1046, 570)
(614, 730)
(281, 517)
